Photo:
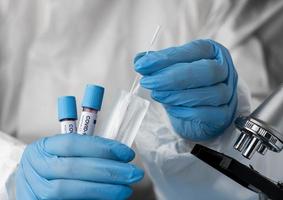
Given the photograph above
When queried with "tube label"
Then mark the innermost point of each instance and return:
(68, 126)
(87, 123)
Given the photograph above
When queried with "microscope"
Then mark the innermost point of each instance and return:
(261, 131)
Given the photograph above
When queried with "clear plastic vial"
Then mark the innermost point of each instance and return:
(91, 104)
(67, 114)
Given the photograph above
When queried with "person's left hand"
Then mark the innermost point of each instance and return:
(196, 83)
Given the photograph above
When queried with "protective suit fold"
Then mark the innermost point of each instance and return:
(173, 168)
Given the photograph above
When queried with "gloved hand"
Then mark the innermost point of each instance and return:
(196, 83)
(73, 166)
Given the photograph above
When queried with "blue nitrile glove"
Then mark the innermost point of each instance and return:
(196, 83)
(73, 166)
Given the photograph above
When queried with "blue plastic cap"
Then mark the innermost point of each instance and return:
(93, 97)
(67, 108)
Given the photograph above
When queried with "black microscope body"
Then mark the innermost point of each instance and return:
(261, 131)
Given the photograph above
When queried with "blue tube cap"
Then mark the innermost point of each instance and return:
(67, 108)
(93, 97)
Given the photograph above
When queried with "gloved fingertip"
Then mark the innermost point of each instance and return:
(125, 193)
(138, 63)
(138, 56)
(137, 175)
(124, 153)
(138, 68)
(147, 82)
(160, 95)
(144, 65)
(156, 97)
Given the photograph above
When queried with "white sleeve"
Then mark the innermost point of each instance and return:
(10, 154)
(175, 172)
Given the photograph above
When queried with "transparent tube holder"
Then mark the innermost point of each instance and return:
(126, 118)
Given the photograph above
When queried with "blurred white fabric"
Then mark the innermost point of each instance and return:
(54, 48)
(11, 150)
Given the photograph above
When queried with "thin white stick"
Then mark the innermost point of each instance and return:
(137, 78)
(153, 39)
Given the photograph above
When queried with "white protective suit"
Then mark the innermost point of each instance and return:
(54, 48)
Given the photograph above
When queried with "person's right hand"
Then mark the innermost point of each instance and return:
(197, 85)
(73, 166)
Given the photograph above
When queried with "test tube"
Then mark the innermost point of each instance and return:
(67, 114)
(91, 104)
